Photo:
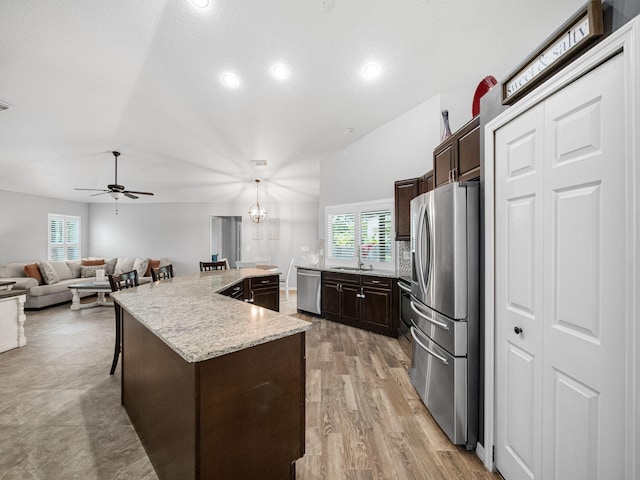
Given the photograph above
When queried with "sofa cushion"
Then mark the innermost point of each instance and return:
(111, 266)
(90, 263)
(16, 269)
(74, 266)
(63, 270)
(22, 283)
(90, 271)
(49, 274)
(141, 265)
(123, 265)
(32, 270)
(60, 287)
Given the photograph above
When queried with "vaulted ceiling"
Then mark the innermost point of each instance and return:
(144, 77)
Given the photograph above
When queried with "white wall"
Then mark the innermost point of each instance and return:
(23, 225)
(181, 231)
(402, 148)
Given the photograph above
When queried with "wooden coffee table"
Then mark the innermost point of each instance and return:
(99, 288)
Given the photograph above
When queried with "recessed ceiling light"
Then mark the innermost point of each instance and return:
(280, 71)
(371, 70)
(348, 131)
(201, 3)
(230, 80)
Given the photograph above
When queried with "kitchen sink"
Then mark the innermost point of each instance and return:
(354, 269)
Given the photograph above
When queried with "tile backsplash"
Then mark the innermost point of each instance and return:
(403, 256)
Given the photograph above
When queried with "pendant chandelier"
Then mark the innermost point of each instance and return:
(257, 212)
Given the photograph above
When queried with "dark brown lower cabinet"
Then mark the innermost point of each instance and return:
(261, 291)
(363, 301)
(237, 416)
(264, 292)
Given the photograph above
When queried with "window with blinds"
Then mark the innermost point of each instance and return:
(375, 236)
(341, 236)
(64, 237)
(360, 233)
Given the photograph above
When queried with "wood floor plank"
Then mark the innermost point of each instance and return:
(364, 418)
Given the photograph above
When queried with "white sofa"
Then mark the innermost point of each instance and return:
(44, 295)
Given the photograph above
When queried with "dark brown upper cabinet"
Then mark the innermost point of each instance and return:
(404, 192)
(457, 159)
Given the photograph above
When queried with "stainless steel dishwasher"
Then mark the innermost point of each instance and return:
(309, 290)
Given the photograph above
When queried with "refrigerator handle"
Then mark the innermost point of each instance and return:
(414, 307)
(424, 347)
(419, 247)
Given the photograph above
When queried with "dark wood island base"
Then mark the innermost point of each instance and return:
(236, 416)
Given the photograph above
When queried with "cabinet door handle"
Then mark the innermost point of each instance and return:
(454, 174)
(337, 287)
(375, 281)
(264, 281)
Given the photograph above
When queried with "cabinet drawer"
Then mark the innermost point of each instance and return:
(265, 282)
(377, 282)
(343, 278)
(235, 291)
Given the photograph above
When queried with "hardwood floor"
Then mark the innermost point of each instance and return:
(365, 420)
(61, 418)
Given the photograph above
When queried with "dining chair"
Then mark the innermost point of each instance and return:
(161, 273)
(285, 281)
(208, 266)
(240, 264)
(226, 263)
(119, 282)
(262, 260)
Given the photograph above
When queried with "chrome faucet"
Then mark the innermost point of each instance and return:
(361, 263)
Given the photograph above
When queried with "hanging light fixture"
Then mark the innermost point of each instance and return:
(257, 212)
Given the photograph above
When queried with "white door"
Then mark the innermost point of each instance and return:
(560, 278)
(519, 304)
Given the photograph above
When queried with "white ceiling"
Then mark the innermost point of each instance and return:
(85, 77)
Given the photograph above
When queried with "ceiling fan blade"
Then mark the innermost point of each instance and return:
(101, 193)
(128, 194)
(138, 193)
(93, 189)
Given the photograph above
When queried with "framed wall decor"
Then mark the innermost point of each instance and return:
(563, 46)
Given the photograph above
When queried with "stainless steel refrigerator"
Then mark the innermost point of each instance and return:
(445, 298)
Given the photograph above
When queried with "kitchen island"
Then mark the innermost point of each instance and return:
(215, 387)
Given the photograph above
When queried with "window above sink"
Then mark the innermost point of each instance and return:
(359, 236)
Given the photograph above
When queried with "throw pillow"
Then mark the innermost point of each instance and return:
(152, 264)
(111, 266)
(141, 265)
(90, 263)
(62, 270)
(32, 270)
(90, 270)
(123, 265)
(49, 274)
(74, 266)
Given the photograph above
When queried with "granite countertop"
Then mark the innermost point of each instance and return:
(188, 314)
(374, 273)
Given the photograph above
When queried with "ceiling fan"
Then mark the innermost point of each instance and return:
(115, 190)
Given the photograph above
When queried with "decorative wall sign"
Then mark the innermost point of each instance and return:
(557, 51)
(274, 228)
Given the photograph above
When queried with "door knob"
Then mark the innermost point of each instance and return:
(518, 330)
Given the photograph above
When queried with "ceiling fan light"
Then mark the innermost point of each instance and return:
(116, 195)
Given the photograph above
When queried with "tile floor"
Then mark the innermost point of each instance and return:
(60, 412)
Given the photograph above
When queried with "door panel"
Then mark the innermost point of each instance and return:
(518, 296)
(519, 412)
(561, 277)
(585, 283)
